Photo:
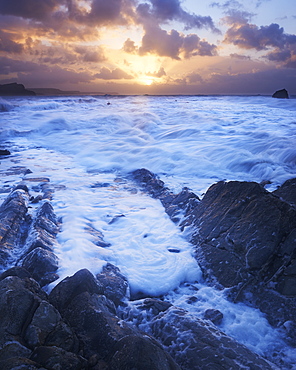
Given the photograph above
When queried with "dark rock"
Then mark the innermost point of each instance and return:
(214, 315)
(97, 236)
(53, 358)
(12, 216)
(42, 265)
(134, 352)
(281, 94)
(115, 285)
(20, 363)
(13, 349)
(82, 281)
(92, 316)
(149, 182)
(4, 152)
(18, 271)
(14, 89)
(287, 191)
(241, 230)
(17, 306)
(198, 344)
(44, 229)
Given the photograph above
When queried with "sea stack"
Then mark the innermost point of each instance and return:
(281, 94)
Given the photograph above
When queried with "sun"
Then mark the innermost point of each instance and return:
(146, 80)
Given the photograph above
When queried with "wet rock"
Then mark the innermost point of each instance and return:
(281, 94)
(4, 152)
(42, 265)
(214, 315)
(82, 281)
(13, 349)
(12, 216)
(240, 230)
(44, 229)
(287, 191)
(20, 363)
(149, 182)
(56, 358)
(134, 352)
(115, 285)
(18, 271)
(97, 236)
(198, 344)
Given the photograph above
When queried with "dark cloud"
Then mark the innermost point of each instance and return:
(194, 78)
(129, 46)
(8, 45)
(92, 55)
(31, 9)
(250, 36)
(158, 74)
(162, 11)
(239, 56)
(112, 74)
(173, 44)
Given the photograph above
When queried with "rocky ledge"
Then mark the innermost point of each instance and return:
(245, 241)
(15, 89)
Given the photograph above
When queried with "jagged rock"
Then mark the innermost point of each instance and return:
(82, 281)
(20, 363)
(134, 352)
(214, 315)
(173, 203)
(15, 271)
(97, 236)
(42, 264)
(240, 231)
(115, 285)
(4, 152)
(56, 358)
(198, 344)
(14, 89)
(13, 349)
(12, 216)
(44, 229)
(281, 94)
(287, 191)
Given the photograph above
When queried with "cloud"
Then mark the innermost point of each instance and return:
(158, 74)
(280, 47)
(115, 74)
(129, 46)
(194, 78)
(173, 44)
(34, 74)
(30, 9)
(163, 11)
(8, 45)
(92, 55)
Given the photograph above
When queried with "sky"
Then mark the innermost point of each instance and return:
(150, 46)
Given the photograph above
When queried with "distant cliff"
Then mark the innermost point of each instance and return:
(14, 89)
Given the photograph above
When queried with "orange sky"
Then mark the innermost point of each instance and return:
(150, 46)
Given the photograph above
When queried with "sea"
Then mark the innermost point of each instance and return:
(86, 146)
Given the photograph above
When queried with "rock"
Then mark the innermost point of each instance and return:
(4, 152)
(287, 191)
(134, 352)
(20, 363)
(43, 229)
(281, 94)
(18, 271)
(14, 89)
(14, 349)
(12, 216)
(42, 265)
(198, 344)
(56, 358)
(240, 228)
(82, 281)
(214, 315)
(115, 285)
